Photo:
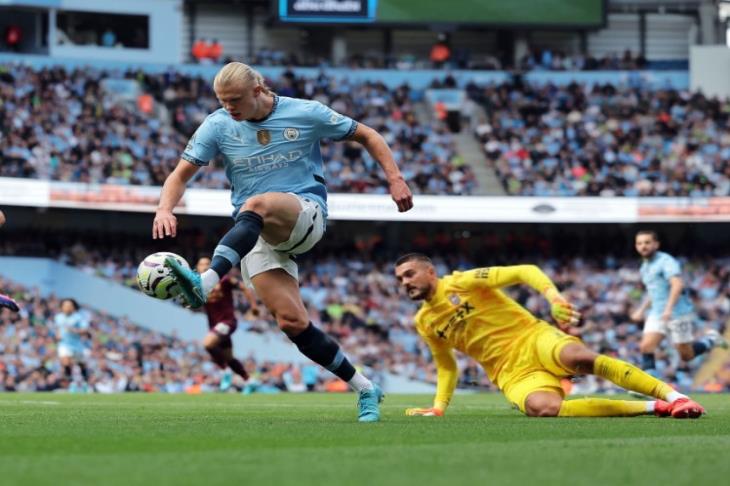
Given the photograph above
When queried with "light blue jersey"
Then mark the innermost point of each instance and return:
(64, 324)
(278, 154)
(655, 274)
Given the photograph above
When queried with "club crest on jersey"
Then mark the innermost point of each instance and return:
(263, 136)
(454, 299)
(291, 134)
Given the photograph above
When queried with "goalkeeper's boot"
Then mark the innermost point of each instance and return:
(8, 303)
(368, 404)
(191, 285)
(685, 408)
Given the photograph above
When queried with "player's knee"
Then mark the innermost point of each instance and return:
(292, 323)
(543, 406)
(686, 353)
(645, 348)
(578, 358)
(257, 204)
(542, 409)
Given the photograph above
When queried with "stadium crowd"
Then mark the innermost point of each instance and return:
(604, 140)
(123, 357)
(62, 124)
(354, 297)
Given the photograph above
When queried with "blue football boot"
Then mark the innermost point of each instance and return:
(191, 286)
(368, 404)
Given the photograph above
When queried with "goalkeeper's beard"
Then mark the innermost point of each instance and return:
(421, 293)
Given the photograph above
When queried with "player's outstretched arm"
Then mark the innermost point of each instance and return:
(447, 374)
(165, 223)
(531, 275)
(378, 148)
(2, 218)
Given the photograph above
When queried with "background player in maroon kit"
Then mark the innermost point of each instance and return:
(222, 323)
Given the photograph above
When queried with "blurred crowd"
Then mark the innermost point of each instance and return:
(354, 296)
(553, 60)
(604, 140)
(61, 124)
(120, 356)
(443, 55)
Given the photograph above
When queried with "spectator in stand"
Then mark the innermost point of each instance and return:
(215, 51)
(440, 52)
(200, 50)
(108, 38)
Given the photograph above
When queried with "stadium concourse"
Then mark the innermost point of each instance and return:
(350, 291)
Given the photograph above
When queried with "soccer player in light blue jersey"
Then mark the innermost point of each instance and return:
(270, 145)
(670, 310)
(71, 327)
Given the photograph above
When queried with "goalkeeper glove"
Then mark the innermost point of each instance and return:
(562, 311)
(424, 412)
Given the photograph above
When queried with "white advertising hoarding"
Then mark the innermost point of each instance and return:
(369, 207)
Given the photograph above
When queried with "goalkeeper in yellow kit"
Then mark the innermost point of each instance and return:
(523, 355)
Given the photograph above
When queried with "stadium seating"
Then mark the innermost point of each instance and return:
(604, 140)
(64, 126)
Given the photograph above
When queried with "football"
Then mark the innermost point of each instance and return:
(153, 277)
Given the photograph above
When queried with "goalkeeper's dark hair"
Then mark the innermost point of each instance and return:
(652, 233)
(413, 257)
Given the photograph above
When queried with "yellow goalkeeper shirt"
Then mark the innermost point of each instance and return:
(470, 313)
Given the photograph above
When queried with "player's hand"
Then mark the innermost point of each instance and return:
(165, 224)
(2, 218)
(401, 194)
(666, 316)
(424, 412)
(564, 313)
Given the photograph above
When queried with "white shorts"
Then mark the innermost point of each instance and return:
(66, 351)
(679, 328)
(307, 231)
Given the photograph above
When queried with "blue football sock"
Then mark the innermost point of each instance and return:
(237, 242)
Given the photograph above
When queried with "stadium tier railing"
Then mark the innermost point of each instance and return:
(367, 207)
(417, 79)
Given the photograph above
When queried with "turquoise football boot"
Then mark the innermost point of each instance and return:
(368, 404)
(226, 381)
(191, 286)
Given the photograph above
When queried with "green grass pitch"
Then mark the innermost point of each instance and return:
(314, 439)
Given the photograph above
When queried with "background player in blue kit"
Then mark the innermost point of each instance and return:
(272, 158)
(72, 328)
(670, 308)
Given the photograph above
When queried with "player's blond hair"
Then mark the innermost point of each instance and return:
(238, 72)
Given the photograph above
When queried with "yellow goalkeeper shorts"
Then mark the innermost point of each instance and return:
(537, 366)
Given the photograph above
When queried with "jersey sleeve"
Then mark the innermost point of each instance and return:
(498, 277)
(447, 370)
(203, 145)
(671, 268)
(332, 125)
